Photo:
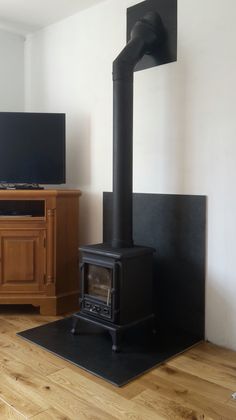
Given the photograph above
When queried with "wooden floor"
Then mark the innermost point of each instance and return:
(34, 384)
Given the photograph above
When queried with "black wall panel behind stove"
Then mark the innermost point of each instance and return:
(175, 225)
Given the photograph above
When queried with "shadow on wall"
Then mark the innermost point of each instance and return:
(79, 175)
(90, 226)
(78, 152)
(160, 136)
(36, 94)
(175, 120)
(217, 315)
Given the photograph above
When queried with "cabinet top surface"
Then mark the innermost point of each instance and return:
(38, 193)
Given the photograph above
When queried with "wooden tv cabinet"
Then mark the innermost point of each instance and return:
(39, 249)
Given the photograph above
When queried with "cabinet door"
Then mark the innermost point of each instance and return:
(22, 261)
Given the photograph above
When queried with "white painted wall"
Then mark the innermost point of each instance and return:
(11, 72)
(184, 124)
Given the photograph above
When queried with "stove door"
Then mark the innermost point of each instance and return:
(98, 290)
(98, 283)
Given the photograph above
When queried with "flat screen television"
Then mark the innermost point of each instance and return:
(32, 148)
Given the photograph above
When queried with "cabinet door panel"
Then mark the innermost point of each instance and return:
(22, 261)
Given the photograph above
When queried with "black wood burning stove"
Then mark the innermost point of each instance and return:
(116, 283)
(116, 288)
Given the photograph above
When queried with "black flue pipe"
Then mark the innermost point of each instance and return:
(146, 36)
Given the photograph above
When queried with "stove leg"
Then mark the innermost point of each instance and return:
(74, 326)
(115, 336)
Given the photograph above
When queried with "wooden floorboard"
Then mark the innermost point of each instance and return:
(35, 384)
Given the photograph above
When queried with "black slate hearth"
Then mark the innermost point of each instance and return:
(91, 349)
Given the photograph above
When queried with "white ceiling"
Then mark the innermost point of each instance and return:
(24, 16)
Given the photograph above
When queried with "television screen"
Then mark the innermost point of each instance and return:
(32, 148)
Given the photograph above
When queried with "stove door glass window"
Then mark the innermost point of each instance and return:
(98, 283)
